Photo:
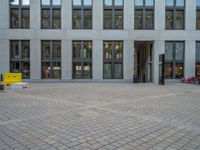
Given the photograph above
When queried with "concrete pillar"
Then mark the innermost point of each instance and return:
(97, 14)
(35, 21)
(66, 14)
(158, 48)
(190, 58)
(190, 22)
(97, 61)
(128, 60)
(129, 15)
(67, 60)
(159, 18)
(64, 61)
(35, 59)
(4, 54)
(4, 17)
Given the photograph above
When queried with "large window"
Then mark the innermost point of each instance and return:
(82, 14)
(198, 58)
(175, 14)
(144, 14)
(82, 59)
(51, 14)
(113, 60)
(113, 14)
(198, 15)
(20, 57)
(19, 14)
(174, 58)
(51, 59)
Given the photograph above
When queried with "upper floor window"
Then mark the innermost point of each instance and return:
(175, 14)
(82, 14)
(19, 14)
(113, 14)
(198, 15)
(144, 14)
(51, 14)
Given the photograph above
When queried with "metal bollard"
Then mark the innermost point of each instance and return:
(1, 85)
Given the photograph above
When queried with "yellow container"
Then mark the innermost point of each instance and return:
(10, 78)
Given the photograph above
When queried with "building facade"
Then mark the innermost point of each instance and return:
(100, 40)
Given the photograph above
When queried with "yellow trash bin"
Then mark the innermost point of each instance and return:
(10, 78)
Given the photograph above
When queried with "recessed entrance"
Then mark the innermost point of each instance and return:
(143, 61)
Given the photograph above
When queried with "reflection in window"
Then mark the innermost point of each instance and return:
(174, 13)
(25, 2)
(198, 59)
(108, 2)
(20, 57)
(113, 14)
(56, 19)
(198, 2)
(169, 20)
(51, 14)
(144, 15)
(138, 19)
(179, 20)
(169, 70)
(149, 20)
(149, 3)
(139, 2)
(174, 54)
(82, 14)
(180, 2)
(19, 14)
(113, 60)
(82, 60)
(51, 59)
(169, 2)
(14, 2)
(198, 19)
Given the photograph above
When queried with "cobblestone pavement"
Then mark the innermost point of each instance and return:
(100, 116)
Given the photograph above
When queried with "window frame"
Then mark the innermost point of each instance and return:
(82, 9)
(51, 59)
(145, 8)
(19, 60)
(175, 9)
(81, 60)
(51, 9)
(113, 9)
(197, 11)
(113, 61)
(174, 61)
(197, 62)
(20, 7)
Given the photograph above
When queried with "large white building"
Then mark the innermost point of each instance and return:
(99, 40)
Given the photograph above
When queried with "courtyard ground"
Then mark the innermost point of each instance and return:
(102, 116)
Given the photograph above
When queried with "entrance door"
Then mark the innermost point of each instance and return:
(143, 68)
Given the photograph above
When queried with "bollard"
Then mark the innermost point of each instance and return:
(1, 85)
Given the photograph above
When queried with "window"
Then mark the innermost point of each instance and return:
(144, 14)
(20, 58)
(113, 60)
(51, 14)
(19, 14)
(198, 58)
(174, 60)
(113, 14)
(82, 59)
(198, 15)
(175, 14)
(82, 14)
(51, 59)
